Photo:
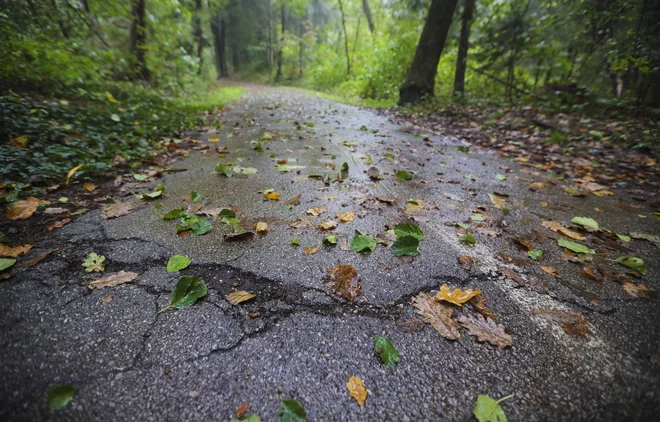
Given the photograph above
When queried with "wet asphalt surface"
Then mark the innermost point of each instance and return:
(297, 339)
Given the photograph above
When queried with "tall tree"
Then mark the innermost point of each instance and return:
(420, 80)
(367, 13)
(219, 32)
(198, 33)
(463, 46)
(343, 24)
(269, 58)
(138, 39)
(280, 51)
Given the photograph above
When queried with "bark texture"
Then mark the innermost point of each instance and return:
(138, 39)
(463, 46)
(367, 13)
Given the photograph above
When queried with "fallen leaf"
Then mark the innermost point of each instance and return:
(71, 172)
(240, 410)
(585, 222)
(273, 196)
(328, 225)
(37, 259)
(291, 411)
(89, 187)
(498, 201)
(311, 250)
(117, 210)
(538, 185)
(107, 298)
(437, 314)
(486, 330)
(58, 224)
(346, 216)
(357, 390)
(633, 263)
(487, 409)
(640, 291)
(241, 235)
(239, 296)
(511, 275)
(177, 263)
(557, 227)
(345, 281)
(13, 252)
(293, 201)
(479, 304)
(186, 292)
(60, 395)
(593, 273)
(457, 296)
(262, 227)
(549, 270)
(113, 280)
(386, 350)
(406, 246)
(22, 209)
(50, 210)
(6, 263)
(573, 323)
(362, 243)
(317, 210)
(374, 173)
(575, 247)
(466, 262)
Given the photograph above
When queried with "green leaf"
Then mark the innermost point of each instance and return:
(388, 354)
(285, 168)
(575, 247)
(224, 168)
(177, 263)
(500, 177)
(140, 177)
(535, 254)
(368, 160)
(291, 411)
(295, 241)
(585, 222)
(186, 292)
(251, 418)
(403, 175)
(245, 170)
(623, 237)
(227, 213)
(477, 217)
(159, 187)
(344, 170)
(94, 262)
(3, 238)
(195, 197)
(115, 117)
(468, 239)
(408, 229)
(201, 227)
(330, 240)
(596, 133)
(362, 243)
(152, 195)
(463, 225)
(406, 245)
(60, 395)
(489, 410)
(363, 128)
(175, 213)
(634, 263)
(6, 263)
(389, 156)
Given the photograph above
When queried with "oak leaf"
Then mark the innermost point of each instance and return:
(357, 390)
(457, 296)
(436, 314)
(486, 330)
(479, 304)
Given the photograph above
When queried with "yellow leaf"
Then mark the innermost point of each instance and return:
(311, 250)
(13, 252)
(498, 201)
(328, 225)
(239, 296)
(603, 193)
(346, 216)
(89, 187)
(557, 227)
(262, 227)
(273, 196)
(457, 296)
(549, 270)
(214, 139)
(357, 390)
(72, 172)
(21, 142)
(23, 209)
(317, 211)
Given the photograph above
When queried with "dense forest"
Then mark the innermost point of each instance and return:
(149, 55)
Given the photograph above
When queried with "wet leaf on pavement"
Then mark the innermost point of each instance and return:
(113, 280)
(272, 195)
(357, 389)
(347, 216)
(640, 291)
(240, 235)
(633, 263)
(345, 281)
(456, 296)
(557, 227)
(408, 229)
(585, 222)
(549, 270)
(94, 262)
(575, 247)
(262, 227)
(186, 292)
(573, 323)
(291, 411)
(406, 246)
(330, 240)
(60, 395)
(117, 210)
(486, 330)
(362, 243)
(535, 254)
(487, 409)
(311, 250)
(317, 210)
(479, 304)
(239, 296)
(13, 252)
(386, 350)
(6, 263)
(498, 201)
(58, 224)
(293, 201)
(178, 263)
(24, 208)
(328, 225)
(436, 314)
(403, 175)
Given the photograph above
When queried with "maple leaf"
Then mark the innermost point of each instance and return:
(239, 296)
(486, 330)
(345, 281)
(357, 389)
(573, 323)
(436, 314)
(457, 296)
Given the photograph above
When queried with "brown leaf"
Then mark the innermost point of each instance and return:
(317, 210)
(301, 223)
(37, 259)
(117, 210)
(13, 252)
(240, 410)
(89, 187)
(538, 185)
(655, 359)
(347, 216)
(262, 227)
(59, 224)
(357, 390)
(20, 210)
(479, 304)
(345, 281)
(525, 243)
(573, 323)
(593, 273)
(498, 201)
(557, 227)
(374, 173)
(293, 201)
(457, 296)
(211, 212)
(437, 314)
(486, 330)
(113, 280)
(243, 235)
(466, 262)
(511, 275)
(549, 270)
(640, 291)
(107, 298)
(239, 296)
(311, 250)
(328, 225)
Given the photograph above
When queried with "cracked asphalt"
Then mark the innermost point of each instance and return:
(296, 339)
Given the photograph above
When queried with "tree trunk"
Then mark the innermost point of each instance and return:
(343, 24)
(269, 59)
(138, 39)
(421, 76)
(367, 13)
(218, 29)
(278, 75)
(301, 52)
(463, 46)
(198, 34)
